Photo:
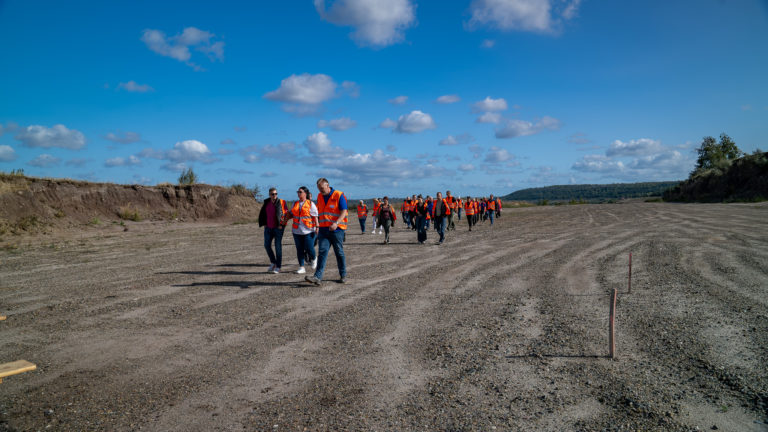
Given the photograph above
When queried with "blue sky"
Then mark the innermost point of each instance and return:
(396, 97)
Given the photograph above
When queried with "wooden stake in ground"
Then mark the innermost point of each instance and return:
(629, 277)
(16, 367)
(612, 326)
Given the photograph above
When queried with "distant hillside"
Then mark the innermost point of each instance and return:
(591, 192)
(743, 179)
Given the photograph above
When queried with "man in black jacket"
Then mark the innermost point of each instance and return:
(271, 218)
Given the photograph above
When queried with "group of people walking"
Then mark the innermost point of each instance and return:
(324, 223)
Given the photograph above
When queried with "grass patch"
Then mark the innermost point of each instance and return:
(129, 213)
(95, 221)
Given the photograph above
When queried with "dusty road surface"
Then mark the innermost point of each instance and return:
(178, 327)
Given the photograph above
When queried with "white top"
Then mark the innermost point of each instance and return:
(302, 229)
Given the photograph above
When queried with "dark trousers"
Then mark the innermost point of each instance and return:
(362, 224)
(305, 247)
(326, 240)
(276, 235)
(440, 226)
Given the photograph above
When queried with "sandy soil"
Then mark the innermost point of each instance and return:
(178, 327)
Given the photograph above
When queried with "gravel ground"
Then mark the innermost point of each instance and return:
(179, 327)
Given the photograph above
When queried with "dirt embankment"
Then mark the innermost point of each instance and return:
(33, 205)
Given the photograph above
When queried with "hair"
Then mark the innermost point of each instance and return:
(306, 191)
(322, 180)
(272, 189)
(386, 198)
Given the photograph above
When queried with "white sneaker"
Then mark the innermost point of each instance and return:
(314, 263)
(276, 270)
(301, 270)
(271, 267)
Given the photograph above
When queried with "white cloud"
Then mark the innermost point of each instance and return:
(56, 136)
(303, 94)
(451, 140)
(489, 117)
(126, 138)
(189, 150)
(400, 100)
(466, 167)
(579, 138)
(351, 88)
(133, 86)
(448, 99)
(182, 151)
(120, 161)
(7, 153)
(284, 152)
(319, 145)
(476, 151)
(598, 164)
(269, 174)
(541, 16)
(489, 105)
(387, 123)
(377, 23)
(339, 124)
(44, 161)
(488, 43)
(638, 147)
(518, 128)
(377, 168)
(497, 155)
(177, 47)
(175, 167)
(77, 162)
(414, 122)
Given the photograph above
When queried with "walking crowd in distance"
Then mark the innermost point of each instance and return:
(323, 223)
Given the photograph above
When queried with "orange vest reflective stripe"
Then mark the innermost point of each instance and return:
(492, 205)
(329, 212)
(301, 214)
(469, 209)
(362, 211)
(376, 208)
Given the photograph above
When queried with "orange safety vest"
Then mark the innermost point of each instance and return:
(329, 212)
(469, 209)
(376, 208)
(450, 202)
(301, 214)
(362, 211)
(492, 205)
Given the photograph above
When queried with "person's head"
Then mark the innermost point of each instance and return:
(491, 196)
(303, 193)
(323, 186)
(439, 195)
(386, 200)
(273, 194)
(361, 202)
(429, 197)
(447, 193)
(420, 198)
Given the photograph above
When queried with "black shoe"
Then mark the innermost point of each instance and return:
(343, 280)
(312, 279)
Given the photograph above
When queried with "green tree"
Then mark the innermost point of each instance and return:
(188, 177)
(716, 155)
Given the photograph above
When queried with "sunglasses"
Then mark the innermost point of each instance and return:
(273, 194)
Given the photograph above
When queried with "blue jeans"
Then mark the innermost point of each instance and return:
(362, 224)
(326, 240)
(459, 213)
(275, 234)
(440, 227)
(305, 247)
(490, 215)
